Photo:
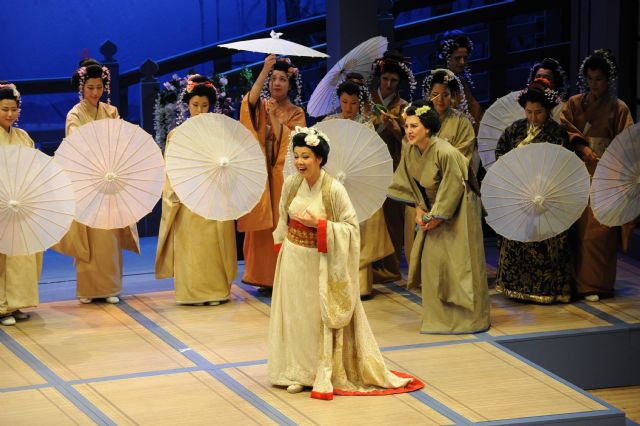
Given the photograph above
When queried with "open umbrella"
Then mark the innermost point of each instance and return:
(535, 192)
(360, 160)
(615, 188)
(216, 167)
(117, 172)
(275, 44)
(502, 113)
(359, 60)
(36, 201)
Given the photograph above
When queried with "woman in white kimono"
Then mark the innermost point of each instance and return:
(19, 275)
(319, 335)
(97, 252)
(447, 258)
(199, 253)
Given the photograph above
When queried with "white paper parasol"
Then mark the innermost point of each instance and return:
(535, 192)
(502, 113)
(36, 201)
(275, 44)
(615, 189)
(216, 167)
(357, 60)
(360, 160)
(117, 172)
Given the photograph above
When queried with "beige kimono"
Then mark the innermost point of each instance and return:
(97, 252)
(19, 275)
(199, 253)
(375, 242)
(319, 335)
(449, 260)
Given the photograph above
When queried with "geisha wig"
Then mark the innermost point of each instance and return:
(90, 68)
(318, 144)
(603, 60)
(429, 118)
(293, 74)
(392, 61)
(539, 91)
(197, 85)
(450, 42)
(560, 80)
(9, 91)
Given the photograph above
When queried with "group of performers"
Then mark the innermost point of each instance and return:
(303, 238)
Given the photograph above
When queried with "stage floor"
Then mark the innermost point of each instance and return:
(150, 361)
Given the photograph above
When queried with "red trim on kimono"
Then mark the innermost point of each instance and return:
(277, 247)
(320, 395)
(413, 385)
(322, 236)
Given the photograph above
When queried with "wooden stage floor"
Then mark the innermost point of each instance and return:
(149, 361)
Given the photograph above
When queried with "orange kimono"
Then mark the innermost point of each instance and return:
(259, 224)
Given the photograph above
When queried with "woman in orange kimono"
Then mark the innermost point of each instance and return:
(269, 114)
(592, 119)
(97, 252)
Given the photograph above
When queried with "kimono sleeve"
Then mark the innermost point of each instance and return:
(452, 184)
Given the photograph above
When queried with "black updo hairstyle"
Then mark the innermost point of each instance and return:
(429, 119)
(560, 81)
(94, 70)
(445, 77)
(539, 90)
(349, 87)
(201, 88)
(284, 66)
(392, 61)
(321, 150)
(9, 92)
(603, 60)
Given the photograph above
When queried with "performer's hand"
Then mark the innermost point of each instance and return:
(588, 154)
(432, 224)
(307, 218)
(269, 62)
(419, 215)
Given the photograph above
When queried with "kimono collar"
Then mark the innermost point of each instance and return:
(387, 101)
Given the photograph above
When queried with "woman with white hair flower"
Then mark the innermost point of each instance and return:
(319, 336)
(447, 257)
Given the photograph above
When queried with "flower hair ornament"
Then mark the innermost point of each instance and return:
(13, 88)
(552, 96)
(449, 45)
(379, 66)
(613, 72)
(462, 103)
(82, 79)
(292, 71)
(16, 94)
(313, 135)
(190, 86)
(422, 110)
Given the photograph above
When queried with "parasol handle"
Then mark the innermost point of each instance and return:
(341, 176)
(110, 177)
(223, 161)
(538, 203)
